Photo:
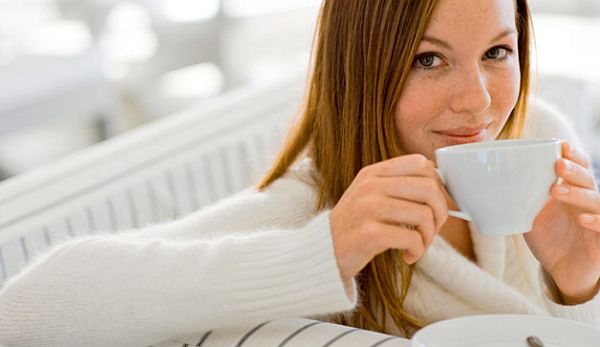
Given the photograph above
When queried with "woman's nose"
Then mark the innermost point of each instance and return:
(470, 94)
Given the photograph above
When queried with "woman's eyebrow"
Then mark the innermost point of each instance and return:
(436, 41)
(442, 43)
(505, 32)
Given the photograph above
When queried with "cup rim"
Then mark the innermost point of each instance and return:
(496, 145)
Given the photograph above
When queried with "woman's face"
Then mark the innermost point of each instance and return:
(464, 81)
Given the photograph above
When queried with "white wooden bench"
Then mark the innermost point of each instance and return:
(162, 170)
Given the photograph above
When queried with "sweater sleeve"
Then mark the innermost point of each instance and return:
(140, 288)
(587, 312)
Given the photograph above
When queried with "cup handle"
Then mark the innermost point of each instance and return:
(456, 214)
(459, 214)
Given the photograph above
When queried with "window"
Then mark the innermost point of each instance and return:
(245, 8)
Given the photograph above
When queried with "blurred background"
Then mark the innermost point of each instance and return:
(77, 72)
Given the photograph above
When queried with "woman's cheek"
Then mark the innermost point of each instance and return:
(509, 84)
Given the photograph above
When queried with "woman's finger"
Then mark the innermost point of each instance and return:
(407, 165)
(401, 212)
(418, 189)
(570, 152)
(590, 221)
(585, 199)
(575, 175)
(397, 237)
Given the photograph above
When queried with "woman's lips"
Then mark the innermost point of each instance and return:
(463, 135)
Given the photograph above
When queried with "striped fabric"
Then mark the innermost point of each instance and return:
(292, 332)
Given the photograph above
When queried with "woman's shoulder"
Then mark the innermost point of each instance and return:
(545, 121)
(305, 171)
(297, 186)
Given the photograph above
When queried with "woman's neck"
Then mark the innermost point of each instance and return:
(457, 233)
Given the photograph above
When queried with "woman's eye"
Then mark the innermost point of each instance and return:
(427, 61)
(498, 53)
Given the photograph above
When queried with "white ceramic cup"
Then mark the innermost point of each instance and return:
(501, 185)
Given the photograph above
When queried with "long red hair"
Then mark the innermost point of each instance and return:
(363, 53)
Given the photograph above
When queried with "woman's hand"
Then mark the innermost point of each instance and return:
(372, 215)
(566, 233)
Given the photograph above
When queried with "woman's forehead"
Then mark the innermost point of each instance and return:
(469, 17)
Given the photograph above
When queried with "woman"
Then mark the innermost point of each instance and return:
(351, 223)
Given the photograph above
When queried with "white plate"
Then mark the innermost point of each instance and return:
(506, 331)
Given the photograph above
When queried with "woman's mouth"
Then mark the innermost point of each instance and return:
(463, 134)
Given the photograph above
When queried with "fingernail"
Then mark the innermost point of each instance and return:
(562, 190)
(568, 165)
(571, 148)
(589, 219)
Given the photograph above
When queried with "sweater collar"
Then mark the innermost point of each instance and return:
(490, 252)
(479, 284)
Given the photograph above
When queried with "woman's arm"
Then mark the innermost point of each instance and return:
(548, 122)
(139, 288)
(587, 312)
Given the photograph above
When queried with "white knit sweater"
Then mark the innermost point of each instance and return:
(250, 258)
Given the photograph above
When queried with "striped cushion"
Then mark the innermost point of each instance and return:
(292, 332)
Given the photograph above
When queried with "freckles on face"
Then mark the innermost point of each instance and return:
(465, 79)
(420, 105)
